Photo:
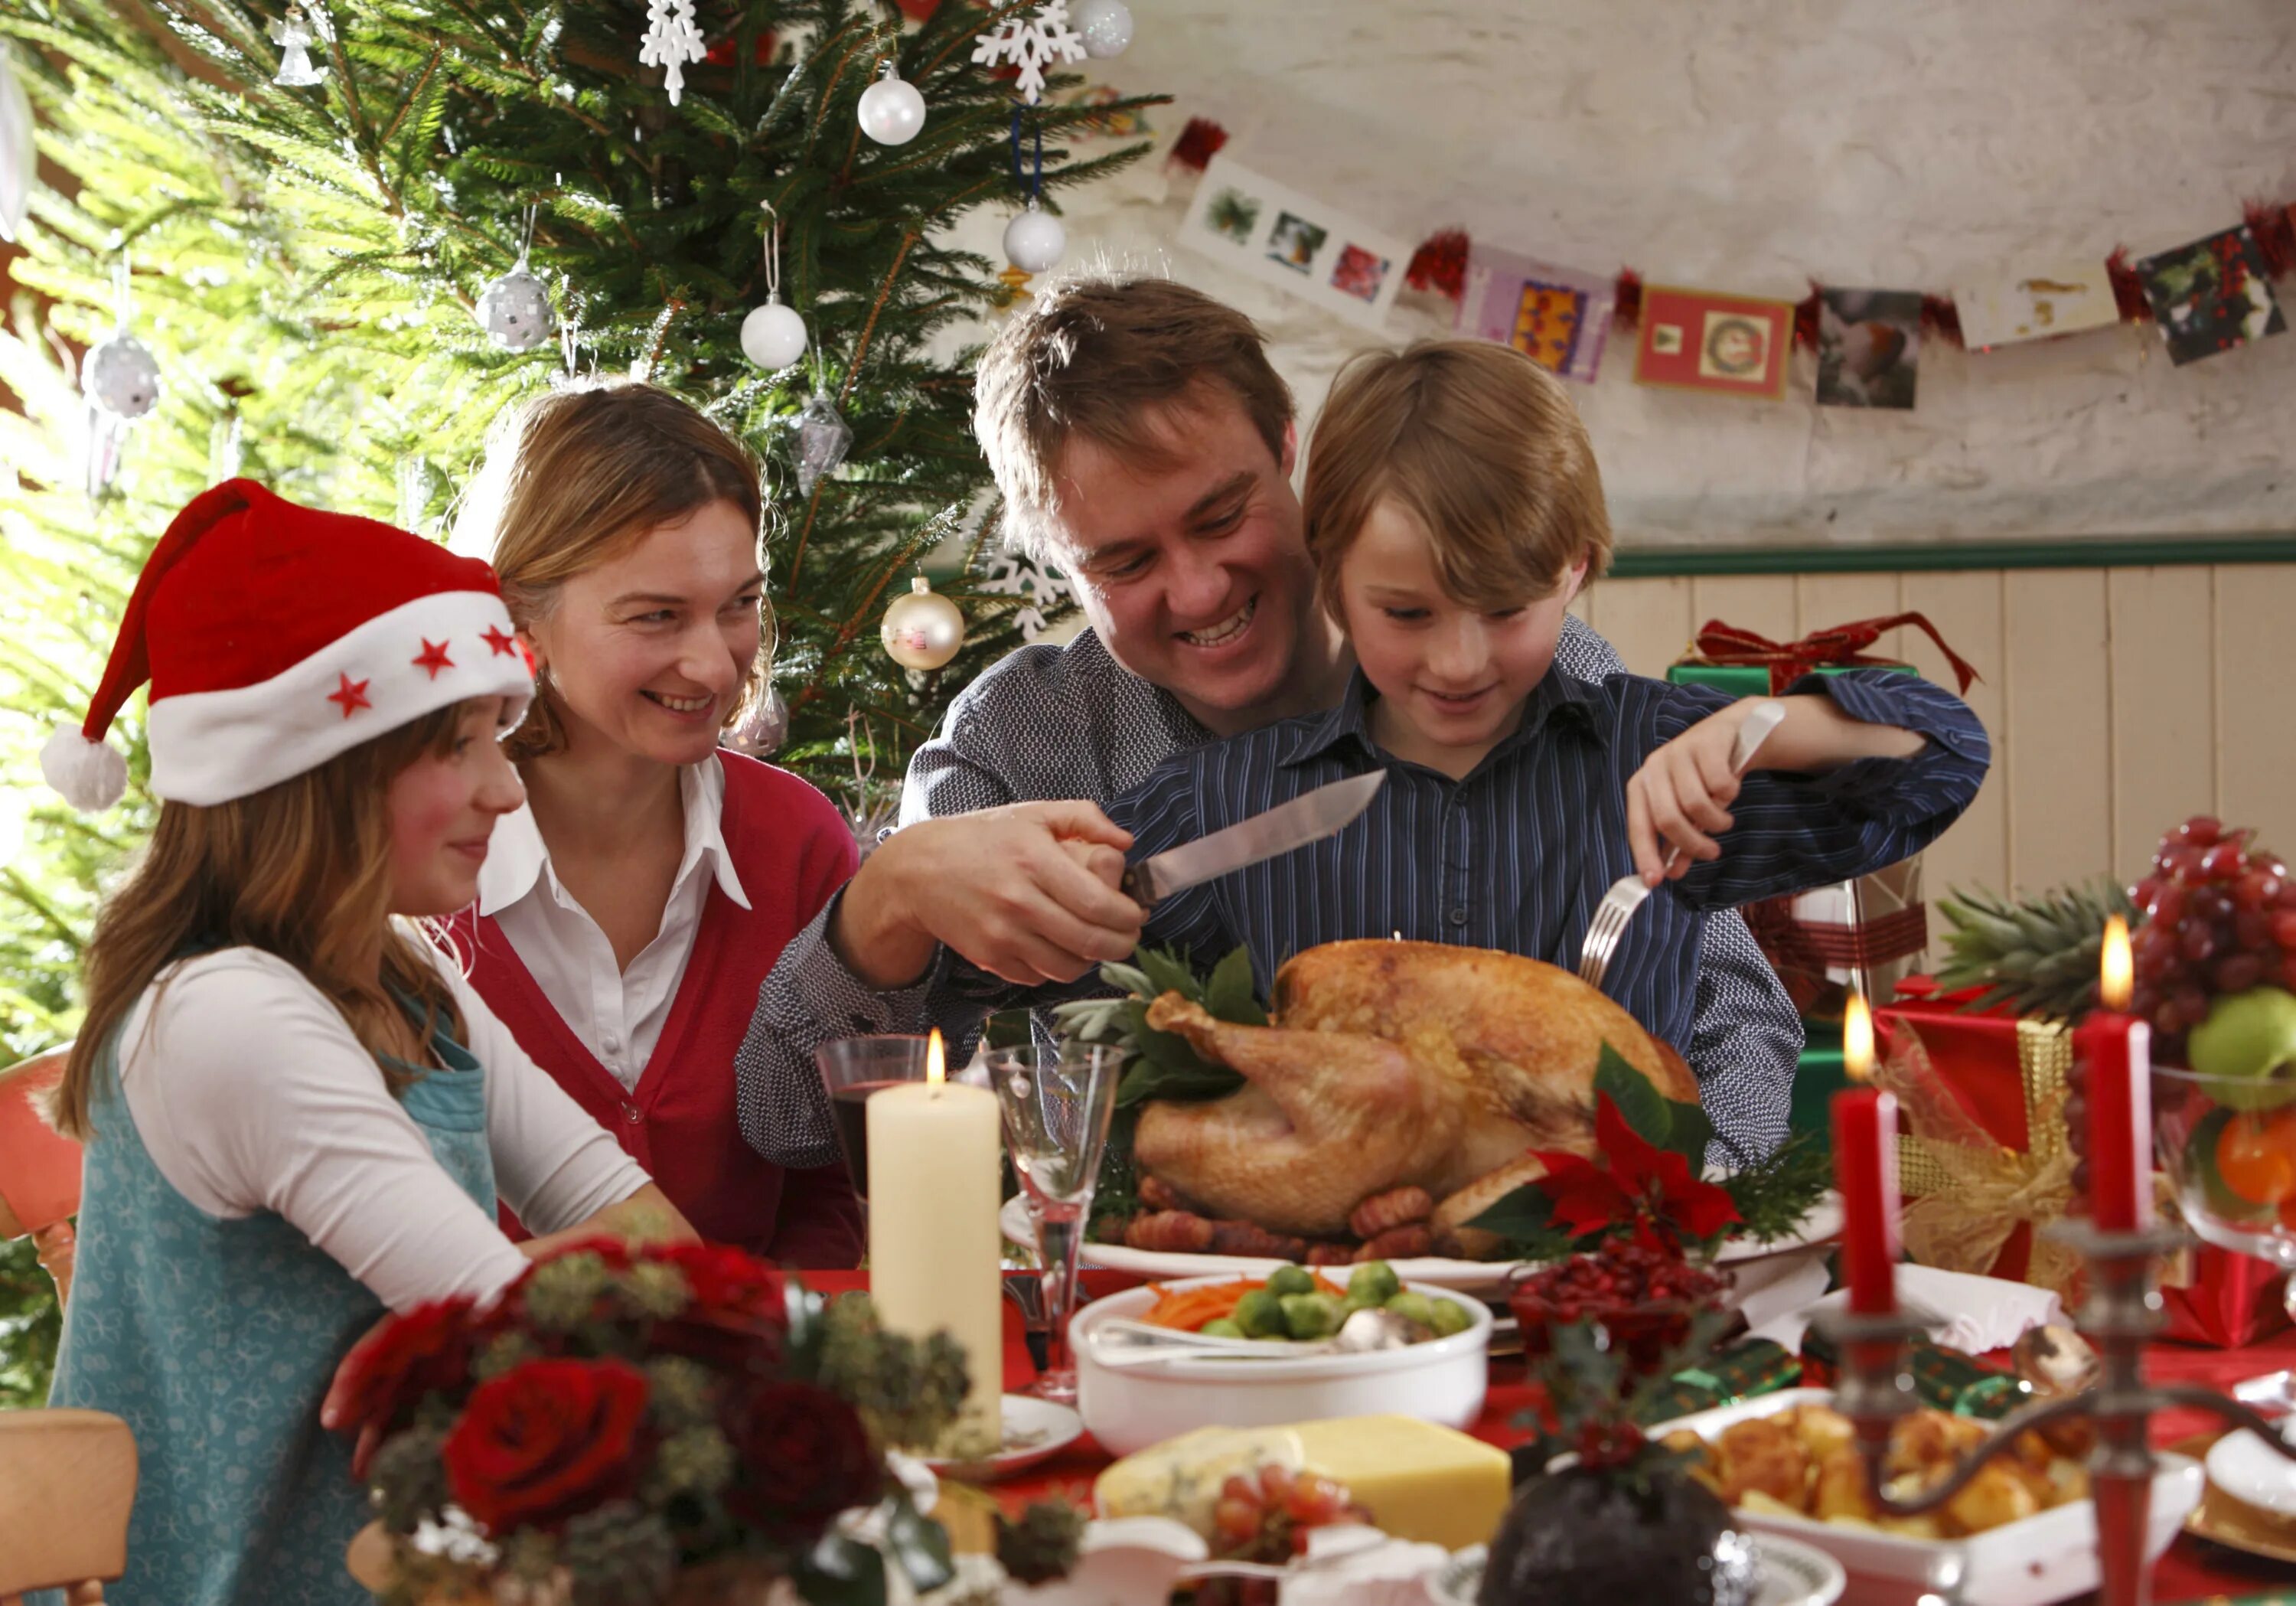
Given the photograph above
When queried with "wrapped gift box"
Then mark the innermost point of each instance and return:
(2006, 1075)
(1753, 680)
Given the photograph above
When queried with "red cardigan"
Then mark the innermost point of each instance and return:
(791, 848)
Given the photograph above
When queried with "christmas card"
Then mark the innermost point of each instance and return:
(2210, 296)
(1869, 347)
(1556, 317)
(2035, 302)
(1700, 339)
(1275, 234)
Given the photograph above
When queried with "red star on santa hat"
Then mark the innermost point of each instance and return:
(433, 657)
(497, 638)
(351, 693)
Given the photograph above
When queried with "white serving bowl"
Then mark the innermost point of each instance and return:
(1130, 1408)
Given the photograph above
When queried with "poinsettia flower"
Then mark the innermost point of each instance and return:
(1634, 1179)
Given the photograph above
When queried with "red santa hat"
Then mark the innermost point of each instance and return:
(276, 636)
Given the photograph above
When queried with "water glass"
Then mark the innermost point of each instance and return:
(1057, 1103)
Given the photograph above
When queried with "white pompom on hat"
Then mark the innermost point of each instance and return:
(276, 636)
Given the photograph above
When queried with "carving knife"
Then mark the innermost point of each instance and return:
(1308, 817)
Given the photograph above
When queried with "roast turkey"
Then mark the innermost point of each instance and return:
(1391, 1064)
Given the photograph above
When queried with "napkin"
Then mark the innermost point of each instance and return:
(1349, 1565)
(1971, 1313)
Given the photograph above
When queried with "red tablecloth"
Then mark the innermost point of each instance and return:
(2192, 1571)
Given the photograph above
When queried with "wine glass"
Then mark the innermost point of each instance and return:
(854, 1067)
(1057, 1103)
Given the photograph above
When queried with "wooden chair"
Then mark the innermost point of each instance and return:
(39, 1167)
(67, 1485)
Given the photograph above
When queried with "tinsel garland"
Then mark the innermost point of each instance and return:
(1441, 264)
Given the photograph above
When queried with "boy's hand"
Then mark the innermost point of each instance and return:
(1682, 795)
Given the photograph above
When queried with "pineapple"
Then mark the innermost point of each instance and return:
(2038, 955)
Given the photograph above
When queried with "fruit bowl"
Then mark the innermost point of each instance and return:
(1644, 1303)
(2228, 1145)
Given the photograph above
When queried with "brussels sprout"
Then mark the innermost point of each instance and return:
(1220, 1327)
(1415, 1307)
(1311, 1315)
(1290, 1280)
(1375, 1283)
(1260, 1314)
(1450, 1317)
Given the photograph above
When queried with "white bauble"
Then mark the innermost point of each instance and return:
(892, 112)
(923, 630)
(515, 310)
(1106, 26)
(1035, 239)
(773, 336)
(122, 378)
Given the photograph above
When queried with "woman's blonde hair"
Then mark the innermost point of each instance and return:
(1481, 446)
(577, 478)
(301, 870)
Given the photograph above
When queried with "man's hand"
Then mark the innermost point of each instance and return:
(1681, 796)
(1027, 891)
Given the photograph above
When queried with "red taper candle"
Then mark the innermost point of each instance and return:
(2117, 1047)
(1865, 1172)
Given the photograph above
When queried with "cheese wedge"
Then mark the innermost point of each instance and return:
(1418, 1481)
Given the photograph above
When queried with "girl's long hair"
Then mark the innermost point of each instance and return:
(301, 870)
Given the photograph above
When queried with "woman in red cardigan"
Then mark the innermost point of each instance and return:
(627, 915)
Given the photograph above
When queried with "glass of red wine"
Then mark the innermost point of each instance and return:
(1057, 1103)
(851, 1069)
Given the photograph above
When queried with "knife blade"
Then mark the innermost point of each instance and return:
(1308, 817)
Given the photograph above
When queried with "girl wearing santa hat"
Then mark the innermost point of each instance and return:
(296, 1114)
(630, 913)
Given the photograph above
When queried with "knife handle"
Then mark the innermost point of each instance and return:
(1138, 884)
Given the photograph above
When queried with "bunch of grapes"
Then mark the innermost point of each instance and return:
(2219, 918)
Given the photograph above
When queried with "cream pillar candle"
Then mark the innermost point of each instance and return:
(934, 1245)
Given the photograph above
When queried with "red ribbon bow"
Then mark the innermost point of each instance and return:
(1843, 646)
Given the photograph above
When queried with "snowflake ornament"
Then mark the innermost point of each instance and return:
(1014, 575)
(672, 39)
(1029, 44)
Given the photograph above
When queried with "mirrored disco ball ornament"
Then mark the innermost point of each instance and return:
(515, 310)
(122, 378)
(773, 336)
(1035, 239)
(923, 630)
(823, 436)
(1106, 26)
(892, 112)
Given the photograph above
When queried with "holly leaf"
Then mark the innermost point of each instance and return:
(1228, 996)
(1688, 1130)
(1644, 1107)
(840, 1571)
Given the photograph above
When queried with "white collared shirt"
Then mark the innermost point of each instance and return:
(617, 1014)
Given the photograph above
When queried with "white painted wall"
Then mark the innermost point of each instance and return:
(1753, 145)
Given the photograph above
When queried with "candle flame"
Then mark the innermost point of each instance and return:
(1858, 1039)
(2115, 977)
(936, 1066)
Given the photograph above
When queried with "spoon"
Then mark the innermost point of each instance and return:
(1119, 1343)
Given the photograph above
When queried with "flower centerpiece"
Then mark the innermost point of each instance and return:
(628, 1426)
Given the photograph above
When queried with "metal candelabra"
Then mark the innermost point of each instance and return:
(2121, 1312)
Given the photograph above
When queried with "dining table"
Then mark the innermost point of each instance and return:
(2193, 1569)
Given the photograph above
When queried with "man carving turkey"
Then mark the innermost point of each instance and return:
(1144, 443)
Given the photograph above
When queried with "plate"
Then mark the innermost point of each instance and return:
(1821, 1225)
(1034, 1431)
(2253, 1472)
(2224, 1521)
(1793, 1574)
(2045, 1558)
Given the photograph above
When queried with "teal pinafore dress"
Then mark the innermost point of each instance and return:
(216, 1340)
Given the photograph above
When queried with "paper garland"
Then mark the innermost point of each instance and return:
(1275, 234)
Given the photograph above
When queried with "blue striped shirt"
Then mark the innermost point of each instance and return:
(1517, 854)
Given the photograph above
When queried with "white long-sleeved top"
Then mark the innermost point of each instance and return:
(251, 1093)
(617, 1014)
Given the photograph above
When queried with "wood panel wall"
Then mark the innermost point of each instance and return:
(2120, 701)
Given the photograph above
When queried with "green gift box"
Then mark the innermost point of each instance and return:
(1753, 680)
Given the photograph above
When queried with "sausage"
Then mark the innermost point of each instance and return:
(1157, 1194)
(1330, 1255)
(1397, 1207)
(1400, 1243)
(1244, 1238)
(1169, 1231)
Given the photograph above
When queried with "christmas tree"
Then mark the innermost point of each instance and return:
(305, 261)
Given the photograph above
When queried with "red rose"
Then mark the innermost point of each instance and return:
(546, 1441)
(384, 1377)
(804, 1456)
(724, 1278)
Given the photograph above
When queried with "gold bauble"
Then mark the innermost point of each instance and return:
(923, 630)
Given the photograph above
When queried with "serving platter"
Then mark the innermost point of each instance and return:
(1822, 1226)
